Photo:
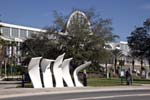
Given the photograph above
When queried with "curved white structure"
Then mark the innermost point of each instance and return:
(57, 70)
(34, 72)
(47, 75)
(78, 15)
(75, 74)
(66, 72)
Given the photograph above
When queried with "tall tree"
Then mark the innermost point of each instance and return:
(85, 42)
(43, 44)
(116, 54)
(147, 28)
(2, 49)
(137, 42)
(78, 39)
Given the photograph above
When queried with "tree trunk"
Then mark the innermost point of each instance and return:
(141, 64)
(148, 71)
(115, 66)
(5, 64)
(149, 64)
(106, 70)
(0, 70)
(133, 62)
(142, 69)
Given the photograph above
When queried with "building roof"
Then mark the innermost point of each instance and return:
(22, 27)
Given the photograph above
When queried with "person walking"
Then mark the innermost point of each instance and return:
(84, 78)
(128, 77)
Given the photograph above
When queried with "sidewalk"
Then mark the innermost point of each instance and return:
(9, 84)
(18, 92)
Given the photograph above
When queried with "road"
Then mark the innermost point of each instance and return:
(99, 95)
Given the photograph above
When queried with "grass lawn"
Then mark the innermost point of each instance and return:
(113, 82)
(105, 82)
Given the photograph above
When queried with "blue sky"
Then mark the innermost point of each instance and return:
(125, 14)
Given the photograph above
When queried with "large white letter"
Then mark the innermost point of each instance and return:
(47, 75)
(57, 70)
(66, 73)
(75, 74)
(34, 72)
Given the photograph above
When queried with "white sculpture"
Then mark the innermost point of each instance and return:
(47, 75)
(66, 72)
(60, 70)
(57, 70)
(75, 74)
(34, 72)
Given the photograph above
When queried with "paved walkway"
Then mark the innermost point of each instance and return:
(9, 84)
(16, 92)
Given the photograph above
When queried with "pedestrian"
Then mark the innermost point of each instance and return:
(128, 77)
(84, 78)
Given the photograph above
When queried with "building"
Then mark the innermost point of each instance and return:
(123, 46)
(15, 33)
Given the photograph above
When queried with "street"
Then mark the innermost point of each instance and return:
(98, 95)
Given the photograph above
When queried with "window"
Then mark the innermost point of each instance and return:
(23, 34)
(15, 33)
(30, 33)
(6, 31)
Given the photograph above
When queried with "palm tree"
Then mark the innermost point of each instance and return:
(1, 51)
(132, 57)
(3, 44)
(116, 54)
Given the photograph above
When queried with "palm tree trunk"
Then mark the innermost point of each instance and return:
(141, 64)
(133, 62)
(142, 68)
(149, 64)
(0, 70)
(115, 66)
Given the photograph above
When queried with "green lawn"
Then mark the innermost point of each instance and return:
(113, 82)
(105, 82)
(141, 81)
